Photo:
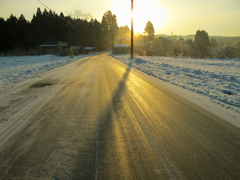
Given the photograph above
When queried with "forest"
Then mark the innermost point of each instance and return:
(20, 35)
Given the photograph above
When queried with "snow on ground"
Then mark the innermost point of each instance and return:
(14, 69)
(214, 81)
(213, 84)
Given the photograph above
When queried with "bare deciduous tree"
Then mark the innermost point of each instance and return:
(79, 14)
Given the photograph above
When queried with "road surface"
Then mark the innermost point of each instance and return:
(100, 119)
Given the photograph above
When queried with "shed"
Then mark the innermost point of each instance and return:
(121, 48)
(56, 47)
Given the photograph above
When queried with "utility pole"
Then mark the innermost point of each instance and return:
(132, 29)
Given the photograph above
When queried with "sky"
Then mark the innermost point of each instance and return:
(177, 17)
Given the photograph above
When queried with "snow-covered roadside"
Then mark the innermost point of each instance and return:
(213, 84)
(14, 69)
(17, 73)
(19, 98)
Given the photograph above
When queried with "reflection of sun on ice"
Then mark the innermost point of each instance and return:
(144, 11)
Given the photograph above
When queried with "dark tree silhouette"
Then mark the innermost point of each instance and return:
(46, 26)
(149, 29)
(202, 42)
(109, 29)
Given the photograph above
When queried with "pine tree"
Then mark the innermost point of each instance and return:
(109, 29)
(23, 33)
(202, 39)
(3, 32)
(202, 42)
(11, 35)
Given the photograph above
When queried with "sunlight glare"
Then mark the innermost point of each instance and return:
(144, 11)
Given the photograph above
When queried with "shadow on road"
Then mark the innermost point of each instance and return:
(104, 132)
(106, 121)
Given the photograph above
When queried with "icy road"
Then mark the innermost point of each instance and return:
(97, 118)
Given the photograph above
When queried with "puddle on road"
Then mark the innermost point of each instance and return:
(44, 83)
(2, 108)
(40, 85)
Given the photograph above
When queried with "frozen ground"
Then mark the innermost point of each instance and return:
(213, 84)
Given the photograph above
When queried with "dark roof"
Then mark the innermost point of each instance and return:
(54, 44)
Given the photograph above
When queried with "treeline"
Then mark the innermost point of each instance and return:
(199, 47)
(47, 26)
(221, 40)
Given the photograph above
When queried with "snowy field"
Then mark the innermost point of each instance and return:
(214, 80)
(213, 84)
(14, 69)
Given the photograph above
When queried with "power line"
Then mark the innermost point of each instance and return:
(64, 19)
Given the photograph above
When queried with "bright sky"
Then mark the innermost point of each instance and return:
(180, 17)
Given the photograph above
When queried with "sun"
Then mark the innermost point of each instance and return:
(144, 11)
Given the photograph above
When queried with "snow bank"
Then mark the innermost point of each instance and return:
(17, 68)
(217, 79)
